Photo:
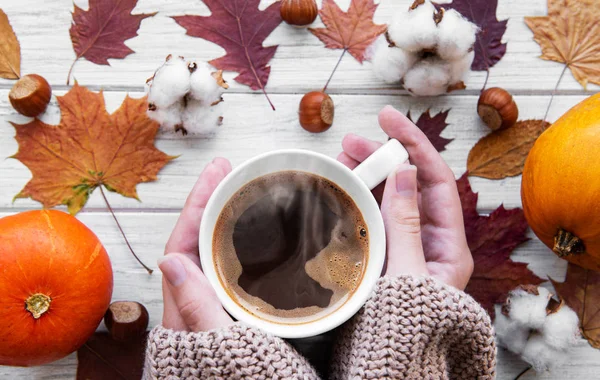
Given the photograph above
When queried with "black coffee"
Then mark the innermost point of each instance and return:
(290, 246)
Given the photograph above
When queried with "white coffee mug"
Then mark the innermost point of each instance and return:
(357, 183)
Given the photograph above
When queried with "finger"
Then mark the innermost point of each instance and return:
(184, 237)
(347, 160)
(358, 147)
(400, 211)
(432, 169)
(195, 300)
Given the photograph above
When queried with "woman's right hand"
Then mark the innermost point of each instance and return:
(420, 206)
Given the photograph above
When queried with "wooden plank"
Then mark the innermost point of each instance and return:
(301, 63)
(250, 128)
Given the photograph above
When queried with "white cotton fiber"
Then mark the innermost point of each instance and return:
(391, 63)
(167, 117)
(415, 30)
(203, 85)
(541, 356)
(428, 77)
(199, 119)
(459, 69)
(170, 83)
(456, 36)
(510, 335)
(529, 309)
(561, 329)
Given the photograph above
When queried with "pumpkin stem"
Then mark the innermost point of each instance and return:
(37, 304)
(567, 244)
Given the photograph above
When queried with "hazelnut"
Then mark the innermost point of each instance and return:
(299, 12)
(126, 320)
(30, 95)
(316, 112)
(497, 108)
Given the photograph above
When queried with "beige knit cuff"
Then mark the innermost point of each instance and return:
(236, 351)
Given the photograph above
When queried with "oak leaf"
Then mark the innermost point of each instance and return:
(570, 34)
(502, 153)
(433, 126)
(88, 149)
(10, 50)
(102, 357)
(491, 239)
(353, 31)
(239, 27)
(100, 32)
(581, 292)
(489, 48)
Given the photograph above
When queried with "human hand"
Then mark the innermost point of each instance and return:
(190, 302)
(420, 205)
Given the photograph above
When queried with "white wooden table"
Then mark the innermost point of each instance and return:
(301, 64)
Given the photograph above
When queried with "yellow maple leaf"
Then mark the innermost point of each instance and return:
(88, 149)
(570, 34)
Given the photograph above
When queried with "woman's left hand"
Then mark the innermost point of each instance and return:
(190, 302)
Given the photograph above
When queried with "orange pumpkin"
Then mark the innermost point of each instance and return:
(55, 286)
(561, 185)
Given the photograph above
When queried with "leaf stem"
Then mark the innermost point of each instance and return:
(554, 91)
(487, 76)
(334, 69)
(70, 70)
(122, 232)
(523, 372)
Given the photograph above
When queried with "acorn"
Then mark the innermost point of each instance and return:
(126, 320)
(299, 12)
(497, 108)
(30, 95)
(316, 112)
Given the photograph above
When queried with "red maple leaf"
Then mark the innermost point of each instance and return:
(489, 48)
(491, 239)
(433, 126)
(352, 31)
(100, 32)
(240, 28)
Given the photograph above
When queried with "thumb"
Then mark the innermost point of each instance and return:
(400, 211)
(195, 300)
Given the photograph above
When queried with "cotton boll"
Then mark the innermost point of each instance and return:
(391, 63)
(170, 83)
(561, 329)
(456, 36)
(203, 85)
(527, 308)
(168, 117)
(541, 356)
(459, 69)
(199, 119)
(428, 77)
(510, 334)
(415, 30)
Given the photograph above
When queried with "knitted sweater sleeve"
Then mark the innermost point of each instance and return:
(416, 328)
(233, 352)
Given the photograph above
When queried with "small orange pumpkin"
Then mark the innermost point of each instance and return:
(560, 188)
(55, 286)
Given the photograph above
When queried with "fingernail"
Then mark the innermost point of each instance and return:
(172, 269)
(405, 180)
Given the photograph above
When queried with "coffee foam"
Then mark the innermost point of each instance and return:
(338, 267)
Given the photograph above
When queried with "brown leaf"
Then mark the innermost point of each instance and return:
(491, 240)
(353, 31)
(89, 148)
(10, 50)
(102, 357)
(502, 153)
(581, 292)
(570, 34)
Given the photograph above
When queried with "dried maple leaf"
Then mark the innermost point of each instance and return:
(433, 126)
(491, 240)
(10, 50)
(239, 27)
(581, 292)
(502, 153)
(352, 31)
(102, 357)
(88, 149)
(100, 32)
(570, 34)
(489, 48)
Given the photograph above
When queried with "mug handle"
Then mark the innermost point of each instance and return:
(376, 168)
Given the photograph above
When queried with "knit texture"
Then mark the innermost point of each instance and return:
(416, 328)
